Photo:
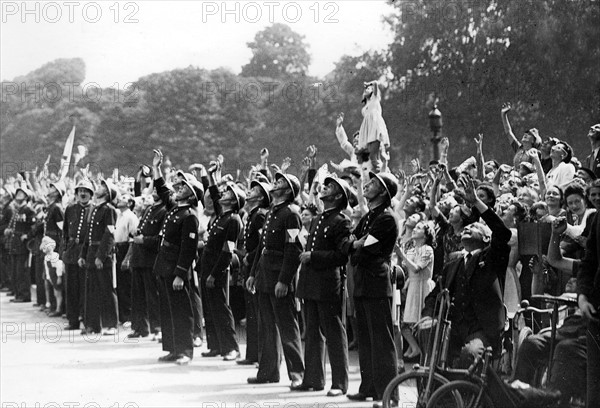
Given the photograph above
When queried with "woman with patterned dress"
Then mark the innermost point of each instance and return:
(418, 262)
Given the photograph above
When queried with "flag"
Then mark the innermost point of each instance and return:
(65, 160)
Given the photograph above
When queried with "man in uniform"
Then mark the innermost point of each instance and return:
(275, 271)
(321, 286)
(259, 201)
(216, 257)
(75, 230)
(371, 252)
(23, 218)
(179, 240)
(97, 258)
(145, 317)
(52, 227)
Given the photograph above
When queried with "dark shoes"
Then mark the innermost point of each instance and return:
(335, 392)
(55, 314)
(256, 380)
(245, 362)
(359, 396)
(136, 335)
(168, 358)
(231, 356)
(379, 404)
(71, 327)
(20, 300)
(211, 353)
(304, 387)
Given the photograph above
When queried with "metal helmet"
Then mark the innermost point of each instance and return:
(87, 184)
(344, 187)
(389, 182)
(240, 195)
(265, 188)
(111, 188)
(292, 181)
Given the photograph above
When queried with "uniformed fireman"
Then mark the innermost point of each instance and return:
(145, 316)
(371, 248)
(259, 201)
(320, 285)
(17, 234)
(273, 275)
(216, 257)
(177, 252)
(75, 230)
(97, 256)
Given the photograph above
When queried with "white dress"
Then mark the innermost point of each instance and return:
(419, 283)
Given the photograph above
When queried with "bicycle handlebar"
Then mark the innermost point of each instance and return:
(561, 300)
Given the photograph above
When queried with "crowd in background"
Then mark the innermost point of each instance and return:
(100, 254)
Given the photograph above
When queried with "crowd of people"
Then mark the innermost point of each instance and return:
(307, 262)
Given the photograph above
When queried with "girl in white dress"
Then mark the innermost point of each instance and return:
(418, 262)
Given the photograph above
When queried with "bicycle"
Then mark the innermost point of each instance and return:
(415, 387)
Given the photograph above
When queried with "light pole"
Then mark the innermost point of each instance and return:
(436, 124)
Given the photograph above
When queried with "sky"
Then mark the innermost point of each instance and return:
(123, 41)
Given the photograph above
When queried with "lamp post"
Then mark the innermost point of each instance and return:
(436, 124)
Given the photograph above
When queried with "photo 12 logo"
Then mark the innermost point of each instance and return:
(271, 11)
(71, 11)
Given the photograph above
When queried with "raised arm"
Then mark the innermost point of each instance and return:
(506, 124)
(480, 159)
(342, 137)
(533, 153)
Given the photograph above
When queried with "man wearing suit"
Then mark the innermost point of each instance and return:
(588, 285)
(478, 315)
(371, 250)
(75, 230)
(275, 270)
(321, 286)
(592, 162)
(179, 242)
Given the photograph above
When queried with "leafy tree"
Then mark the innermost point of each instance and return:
(277, 52)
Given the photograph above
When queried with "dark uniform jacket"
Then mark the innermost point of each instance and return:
(144, 255)
(100, 240)
(21, 223)
(222, 241)
(279, 249)
(75, 230)
(321, 278)
(179, 237)
(588, 278)
(372, 261)
(482, 297)
(256, 221)
(54, 222)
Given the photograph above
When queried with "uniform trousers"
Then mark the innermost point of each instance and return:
(221, 319)
(21, 276)
(197, 309)
(324, 322)
(278, 331)
(376, 349)
(212, 339)
(145, 315)
(75, 287)
(5, 277)
(251, 326)
(176, 317)
(101, 308)
(40, 279)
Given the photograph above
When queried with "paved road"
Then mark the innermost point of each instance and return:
(44, 366)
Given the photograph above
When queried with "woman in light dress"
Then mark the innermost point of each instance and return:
(418, 262)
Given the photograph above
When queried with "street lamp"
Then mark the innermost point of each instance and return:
(436, 124)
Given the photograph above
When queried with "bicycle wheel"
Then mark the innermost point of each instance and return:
(460, 394)
(407, 389)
